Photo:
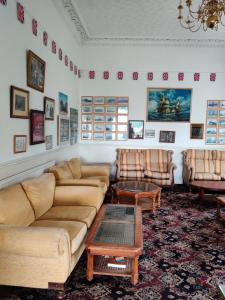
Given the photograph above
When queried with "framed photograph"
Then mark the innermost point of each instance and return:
(136, 129)
(196, 131)
(99, 136)
(86, 109)
(63, 104)
(99, 109)
(221, 140)
(210, 140)
(85, 100)
(35, 72)
(20, 143)
(110, 109)
(212, 113)
(123, 136)
(98, 127)
(122, 127)
(122, 109)
(99, 100)
(222, 122)
(167, 136)
(19, 103)
(99, 118)
(122, 100)
(168, 105)
(49, 142)
(37, 127)
(149, 133)
(86, 127)
(63, 130)
(49, 108)
(211, 122)
(222, 104)
(86, 135)
(110, 118)
(211, 130)
(122, 119)
(213, 103)
(222, 113)
(110, 127)
(110, 100)
(110, 136)
(73, 126)
(221, 131)
(86, 118)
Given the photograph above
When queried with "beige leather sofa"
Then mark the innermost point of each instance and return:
(42, 230)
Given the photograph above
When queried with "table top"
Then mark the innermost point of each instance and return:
(116, 226)
(209, 184)
(135, 186)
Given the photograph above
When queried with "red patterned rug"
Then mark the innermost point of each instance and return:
(184, 258)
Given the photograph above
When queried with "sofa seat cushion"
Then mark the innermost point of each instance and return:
(40, 191)
(85, 214)
(61, 171)
(76, 230)
(206, 176)
(102, 178)
(75, 167)
(131, 167)
(15, 208)
(157, 175)
(132, 174)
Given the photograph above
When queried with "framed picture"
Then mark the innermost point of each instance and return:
(110, 118)
(211, 122)
(122, 127)
(49, 142)
(168, 105)
(35, 72)
(221, 140)
(19, 103)
(37, 127)
(196, 131)
(73, 126)
(122, 119)
(111, 109)
(222, 113)
(211, 131)
(110, 136)
(212, 113)
(122, 109)
(86, 135)
(86, 118)
(213, 103)
(86, 127)
(99, 118)
(99, 127)
(167, 136)
(222, 122)
(136, 129)
(99, 109)
(123, 136)
(63, 104)
(222, 131)
(122, 100)
(63, 130)
(86, 100)
(49, 108)
(99, 100)
(210, 140)
(110, 127)
(99, 136)
(149, 133)
(86, 109)
(110, 100)
(222, 104)
(20, 143)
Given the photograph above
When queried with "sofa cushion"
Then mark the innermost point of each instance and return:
(61, 171)
(131, 160)
(157, 175)
(157, 160)
(75, 168)
(203, 166)
(40, 192)
(76, 230)
(199, 154)
(206, 176)
(132, 174)
(131, 167)
(15, 208)
(85, 214)
(104, 179)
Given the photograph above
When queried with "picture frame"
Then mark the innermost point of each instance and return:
(19, 143)
(212, 113)
(110, 127)
(86, 109)
(73, 125)
(99, 136)
(122, 127)
(110, 109)
(49, 108)
(99, 118)
(99, 109)
(110, 118)
(35, 71)
(86, 136)
(110, 136)
(110, 100)
(168, 104)
(136, 129)
(122, 118)
(63, 104)
(211, 130)
(166, 136)
(86, 100)
(211, 140)
(196, 131)
(212, 122)
(63, 130)
(122, 136)
(87, 127)
(49, 142)
(86, 118)
(213, 104)
(19, 103)
(99, 127)
(99, 100)
(149, 133)
(123, 110)
(37, 127)
(122, 100)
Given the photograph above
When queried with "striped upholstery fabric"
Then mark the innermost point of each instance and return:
(131, 160)
(206, 176)
(157, 175)
(201, 161)
(219, 157)
(156, 160)
(160, 182)
(131, 167)
(132, 174)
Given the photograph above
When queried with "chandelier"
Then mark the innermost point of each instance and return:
(208, 15)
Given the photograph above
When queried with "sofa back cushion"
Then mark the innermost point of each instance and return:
(15, 208)
(219, 157)
(61, 171)
(40, 191)
(75, 168)
(157, 160)
(131, 160)
(201, 160)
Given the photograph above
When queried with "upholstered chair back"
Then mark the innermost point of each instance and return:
(200, 160)
(157, 160)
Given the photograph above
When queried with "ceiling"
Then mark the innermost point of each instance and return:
(151, 22)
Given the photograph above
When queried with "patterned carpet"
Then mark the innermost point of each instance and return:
(184, 257)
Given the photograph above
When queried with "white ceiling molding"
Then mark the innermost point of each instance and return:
(82, 16)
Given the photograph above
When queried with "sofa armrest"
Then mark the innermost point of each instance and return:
(95, 170)
(188, 173)
(34, 241)
(171, 167)
(79, 182)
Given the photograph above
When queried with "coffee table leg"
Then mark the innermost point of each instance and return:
(218, 210)
(134, 276)
(153, 203)
(90, 266)
(158, 199)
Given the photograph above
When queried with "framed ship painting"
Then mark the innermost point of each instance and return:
(168, 105)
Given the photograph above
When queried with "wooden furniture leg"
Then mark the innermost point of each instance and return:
(159, 199)
(218, 210)
(134, 276)
(153, 203)
(90, 266)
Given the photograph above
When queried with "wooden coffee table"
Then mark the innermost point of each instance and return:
(116, 232)
(209, 185)
(145, 194)
(220, 202)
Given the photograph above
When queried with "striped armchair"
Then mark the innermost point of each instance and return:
(153, 165)
(202, 165)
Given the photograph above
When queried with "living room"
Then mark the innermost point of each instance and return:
(99, 87)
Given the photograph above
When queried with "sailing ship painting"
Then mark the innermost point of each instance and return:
(169, 105)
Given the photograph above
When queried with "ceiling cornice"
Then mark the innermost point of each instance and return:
(86, 39)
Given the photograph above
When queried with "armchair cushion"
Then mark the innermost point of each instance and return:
(75, 167)
(206, 176)
(61, 171)
(157, 175)
(104, 180)
(15, 208)
(76, 230)
(40, 191)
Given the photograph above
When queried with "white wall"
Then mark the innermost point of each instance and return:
(15, 40)
(157, 60)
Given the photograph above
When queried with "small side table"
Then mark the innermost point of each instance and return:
(220, 202)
